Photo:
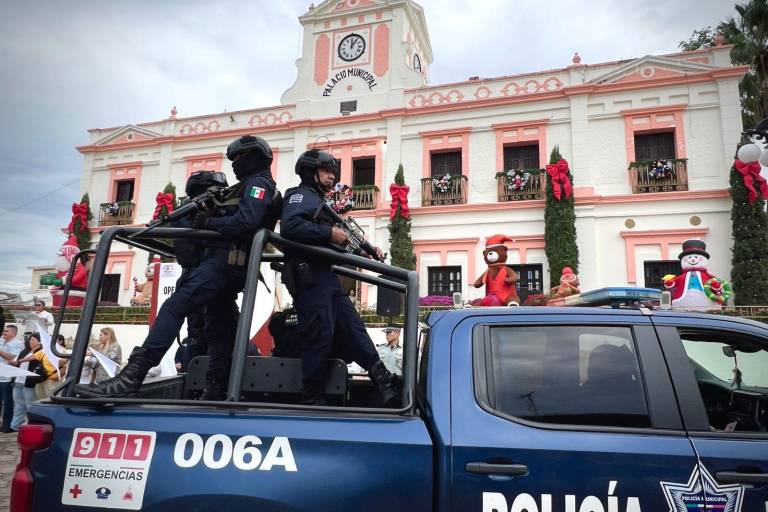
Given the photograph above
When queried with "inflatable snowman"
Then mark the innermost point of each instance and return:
(696, 288)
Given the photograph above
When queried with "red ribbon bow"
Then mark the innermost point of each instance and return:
(399, 197)
(79, 211)
(163, 199)
(751, 173)
(559, 174)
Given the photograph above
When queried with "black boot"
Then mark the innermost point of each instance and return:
(312, 394)
(215, 388)
(386, 384)
(126, 383)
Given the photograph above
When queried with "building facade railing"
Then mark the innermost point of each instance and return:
(365, 197)
(442, 191)
(520, 184)
(648, 176)
(116, 214)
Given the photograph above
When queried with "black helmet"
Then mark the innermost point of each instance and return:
(310, 161)
(201, 181)
(248, 143)
(255, 155)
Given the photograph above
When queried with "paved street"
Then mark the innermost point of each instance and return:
(8, 455)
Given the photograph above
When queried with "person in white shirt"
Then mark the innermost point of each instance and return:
(10, 347)
(44, 318)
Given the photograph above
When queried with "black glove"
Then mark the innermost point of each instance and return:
(199, 219)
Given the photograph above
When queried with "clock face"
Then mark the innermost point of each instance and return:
(417, 62)
(351, 47)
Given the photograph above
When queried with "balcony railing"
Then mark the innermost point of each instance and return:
(116, 214)
(365, 197)
(645, 177)
(521, 185)
(452, 192)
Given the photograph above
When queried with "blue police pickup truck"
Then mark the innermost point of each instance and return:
(504, 410)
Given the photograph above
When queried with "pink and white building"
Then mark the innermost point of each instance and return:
(362, 92)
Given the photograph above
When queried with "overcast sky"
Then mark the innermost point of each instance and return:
(69, 66)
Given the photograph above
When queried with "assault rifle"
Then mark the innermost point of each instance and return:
(217, 196)
(356, 242)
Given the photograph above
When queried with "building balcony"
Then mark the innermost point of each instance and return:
(646, 177)
(365, 197)
(116, 214)
(435, 191)
(521, 185)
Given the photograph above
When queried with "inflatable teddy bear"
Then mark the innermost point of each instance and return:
(569, 284)
(142, 293)
(499, 279)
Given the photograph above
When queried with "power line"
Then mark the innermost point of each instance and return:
(41, 197)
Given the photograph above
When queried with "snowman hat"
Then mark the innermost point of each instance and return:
(497, 241)
(694, 246)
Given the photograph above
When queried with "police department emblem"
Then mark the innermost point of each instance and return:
(103, 493)
(702, 493)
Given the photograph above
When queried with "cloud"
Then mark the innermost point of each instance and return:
(82, 64)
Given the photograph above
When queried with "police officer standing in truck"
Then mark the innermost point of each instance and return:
(216, 281)
(328, 323)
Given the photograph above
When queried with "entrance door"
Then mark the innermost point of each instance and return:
(563, 415)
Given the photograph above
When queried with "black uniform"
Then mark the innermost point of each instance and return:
(328, 323)
(216, 281)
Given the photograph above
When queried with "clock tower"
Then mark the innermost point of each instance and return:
(359, 56)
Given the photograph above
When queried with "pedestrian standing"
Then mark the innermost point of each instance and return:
(10, 348)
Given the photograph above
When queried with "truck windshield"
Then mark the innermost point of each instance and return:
(713, 359)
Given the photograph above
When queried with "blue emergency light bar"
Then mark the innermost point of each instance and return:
(614, 296)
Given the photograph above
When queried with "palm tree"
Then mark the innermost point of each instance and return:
(749, 35)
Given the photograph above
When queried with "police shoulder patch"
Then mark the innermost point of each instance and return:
(256, 192)
(296, 198)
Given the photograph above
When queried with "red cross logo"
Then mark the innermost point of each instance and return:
(76, 491)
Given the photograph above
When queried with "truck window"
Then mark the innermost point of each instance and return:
(730, 372)
(576, 375)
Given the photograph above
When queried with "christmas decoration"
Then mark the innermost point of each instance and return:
(569, 284)
(112, 209)
(750, 174)
(399, 202)
(499, 279)
(442, 184)
(400, 243)
(559, 220)
(142, 293)
(749, 226)
(58, 280)
(166, 201)
(689, 288)
(79, 222)
(516, 179)
(559, 177)
(78, 226)
(340, 198)
(660, 169)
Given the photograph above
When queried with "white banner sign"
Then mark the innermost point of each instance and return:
(166, 281)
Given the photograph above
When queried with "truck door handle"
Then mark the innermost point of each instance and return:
(485, 468)
(735, 477)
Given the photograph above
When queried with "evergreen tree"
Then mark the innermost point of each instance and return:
(559, 229)
(83, 235)
(749, 266)
(400, 243)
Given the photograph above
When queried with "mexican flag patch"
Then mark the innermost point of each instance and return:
(256, 192)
